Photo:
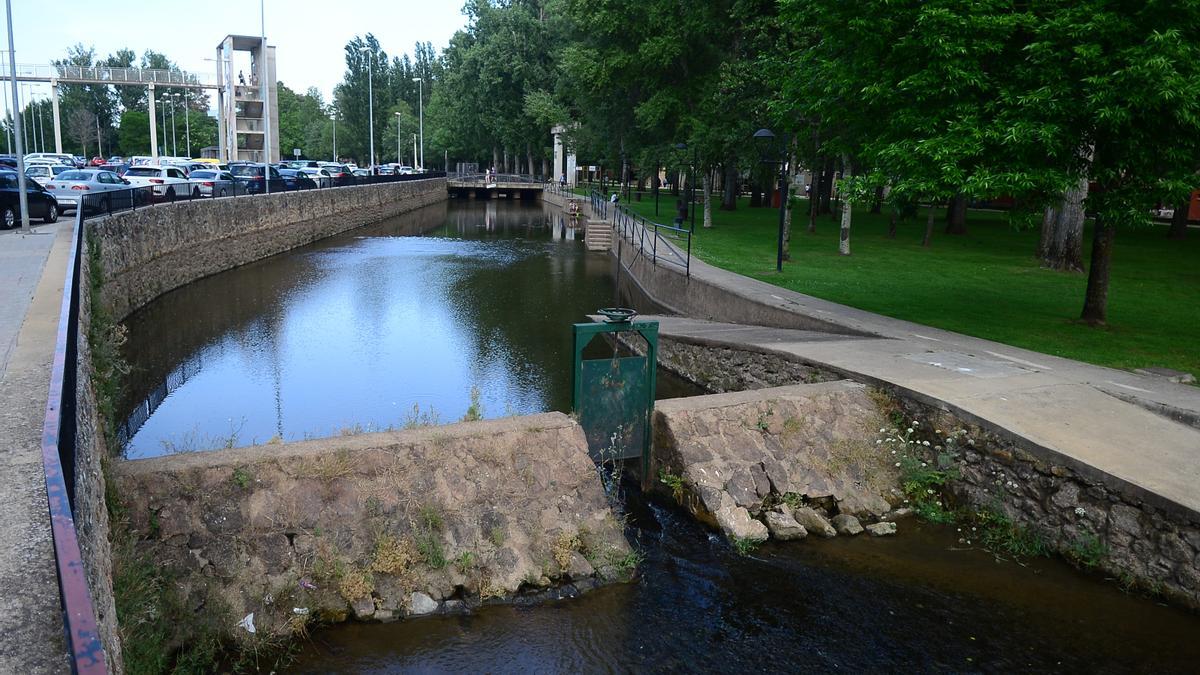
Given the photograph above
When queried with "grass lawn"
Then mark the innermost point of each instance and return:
(985, 283)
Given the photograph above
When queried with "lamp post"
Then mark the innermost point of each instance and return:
(414, 146)
(174, 147)
(421, 117)
(333, 122)
(187, 125)
(765, 138)
(370, 100)
(163, 100)
(266, 96)
(397, 113)
(691, 191)
(22, 197)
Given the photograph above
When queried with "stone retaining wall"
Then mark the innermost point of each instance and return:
(1094, 522)
(379, 526)
(154, 250)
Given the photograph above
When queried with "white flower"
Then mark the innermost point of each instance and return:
(882, 431)
(925, 443)
(878, 442)
(930, 491)
(1079, 511)
(897, 463)
(910, 430)
(916, 423)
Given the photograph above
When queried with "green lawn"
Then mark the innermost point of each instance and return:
(986, 283)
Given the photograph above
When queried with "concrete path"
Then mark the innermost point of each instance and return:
(1142, 431)
(32, 269)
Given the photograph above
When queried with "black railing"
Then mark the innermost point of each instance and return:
(58, 462)
(133, 198)
(485, 177)
(667, 244)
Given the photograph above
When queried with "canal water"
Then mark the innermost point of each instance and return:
(388, 325)
(353, 332)
(916, 602)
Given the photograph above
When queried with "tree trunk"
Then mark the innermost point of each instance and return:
(956, 215)
(892, 224)
(826, 192)
(786, 204)
(529, 157)
(877, 205)
(730, 188)
(847, 212)
(1179, 222)
(707, 199)
(1095, 304)
(755, 190)
(1061, 246)
(928, 228)
(812, 207)
(495, 157)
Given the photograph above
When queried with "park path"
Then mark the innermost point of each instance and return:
(1142, 430)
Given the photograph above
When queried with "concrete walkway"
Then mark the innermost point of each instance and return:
(1141, 431)
(32, 269)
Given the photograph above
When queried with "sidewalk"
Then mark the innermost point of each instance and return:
(31, 625)
(1142, 431)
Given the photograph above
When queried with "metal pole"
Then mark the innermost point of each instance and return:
(371, 103)
(783, 195)
(398, 161)
(414, 147)
(163, 102)
(421, 118)
(266, 99)
(99, 147)
(186, 123)
(22, 196)
(692, 188)
(174, 148)
(153, 123)
(56, 118)
(334, 121)
(7, 110)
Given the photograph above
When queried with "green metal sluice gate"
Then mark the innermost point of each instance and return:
(614, 397)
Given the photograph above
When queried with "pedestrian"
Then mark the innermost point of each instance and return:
(241, 78)
(681, 212)
(614, 198)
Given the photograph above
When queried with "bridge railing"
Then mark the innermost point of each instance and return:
(484, 177)
(114, 74)
(666, 244)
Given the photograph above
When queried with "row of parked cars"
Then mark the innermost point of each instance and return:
(59, 182)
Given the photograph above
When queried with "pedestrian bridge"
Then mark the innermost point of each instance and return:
(494, 186)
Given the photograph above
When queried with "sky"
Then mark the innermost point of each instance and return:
(309, 35)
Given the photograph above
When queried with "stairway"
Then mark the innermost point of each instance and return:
(598, 235)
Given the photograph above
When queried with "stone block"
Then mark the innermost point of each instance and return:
(814, 522)
(845, 523)
(784, 527)
(881, 529)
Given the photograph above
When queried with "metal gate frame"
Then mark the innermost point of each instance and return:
(583, 334)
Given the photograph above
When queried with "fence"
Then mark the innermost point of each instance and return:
(667, 244)
(133, 198)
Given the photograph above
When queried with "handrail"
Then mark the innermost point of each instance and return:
(58, 443)
(647, 235)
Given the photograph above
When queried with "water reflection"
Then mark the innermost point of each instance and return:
(353, 332)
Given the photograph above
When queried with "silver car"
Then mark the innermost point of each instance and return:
(213, 182)
(69, 187)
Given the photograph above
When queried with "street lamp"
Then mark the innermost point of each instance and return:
(174, 148)
(691, 191)
(398, 137)
(333, 123)
(186, 124)
(421, 117)
(765, 139)
(370, 100)
(163, 100)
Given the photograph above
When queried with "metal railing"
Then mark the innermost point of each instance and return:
(58, 462)
(484, 177)
(667, 244)
(112, 75)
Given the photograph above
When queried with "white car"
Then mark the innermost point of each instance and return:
(169, 182)
(42, 173)
(321, 177)
(49, 158)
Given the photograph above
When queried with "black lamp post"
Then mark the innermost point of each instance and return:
(691, 192)
(772, 153)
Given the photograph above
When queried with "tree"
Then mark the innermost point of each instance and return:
(134, 135)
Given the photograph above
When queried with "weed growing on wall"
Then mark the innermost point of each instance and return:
(925, 467)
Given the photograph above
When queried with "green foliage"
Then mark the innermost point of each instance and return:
(743, 546)
(1000, 535)
(242, 477)
(475, 409)
(465, 562)
(1087, 551)
(428, 539)
(674, 482)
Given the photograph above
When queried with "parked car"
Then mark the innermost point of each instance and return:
(320, 177)
(50, 157)
(115, 159)
(214, 182)
(169, 182)
(251, 176)
(8, 161)
(42, 173)
(96, 161)
(69, 187)
(42, 204)
(404, 170)
(294, 179)
(360, 173)
(118, 168)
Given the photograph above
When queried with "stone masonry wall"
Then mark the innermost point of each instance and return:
(154, 250)
(379, 526)
(90, 508)
(1079, 513)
